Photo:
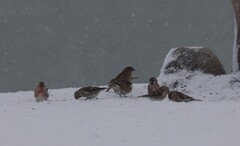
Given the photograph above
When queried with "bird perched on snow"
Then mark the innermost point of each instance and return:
(153, 86)
(160, 93)
(122, 87)
(41, 92)
(180, 97)
(155, 91)
(126, 75)
(89, 92)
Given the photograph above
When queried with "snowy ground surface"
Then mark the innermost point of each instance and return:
(132, 121)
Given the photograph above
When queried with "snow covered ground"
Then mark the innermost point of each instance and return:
(132, 121)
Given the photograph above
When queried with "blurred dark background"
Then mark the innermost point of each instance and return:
(72, 43)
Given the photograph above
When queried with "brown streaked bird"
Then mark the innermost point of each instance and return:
(122, 87)
(180, 97)
(160, 93)
(155, 92)
(89, 92)
(41, 92)
(126, 74)
(153, 86)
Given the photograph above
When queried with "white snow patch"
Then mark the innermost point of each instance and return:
(205, 87)
(194, 47)
(112, 120)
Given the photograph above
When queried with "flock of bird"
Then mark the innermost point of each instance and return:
(121, 85)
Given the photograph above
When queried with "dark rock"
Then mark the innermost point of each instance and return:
(193, 59)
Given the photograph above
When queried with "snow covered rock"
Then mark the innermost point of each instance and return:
(192, 59)
(197, 72)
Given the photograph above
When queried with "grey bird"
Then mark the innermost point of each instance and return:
(155, 92)
(122, 87)
(180, 97)
(89, 92)
(41, 92)
(126, 74)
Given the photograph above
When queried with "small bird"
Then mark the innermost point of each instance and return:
(89, 92)
(155, 92)
(126, 74)
(153, 86)
(122, 87)
(160, 93)
(180, 97)
(41, 92)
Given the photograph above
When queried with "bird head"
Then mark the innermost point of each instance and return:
(129, 69)
(77, 95)
(41, 84)
(153, 80)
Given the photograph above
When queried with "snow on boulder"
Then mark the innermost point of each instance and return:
(197, 72)
(192, 59)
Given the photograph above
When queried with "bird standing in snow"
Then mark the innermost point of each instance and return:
(155, 91)
(180, 97)
(126, 75)
(122, 87)
(41, 92)
(153, 86)
(89, 92)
